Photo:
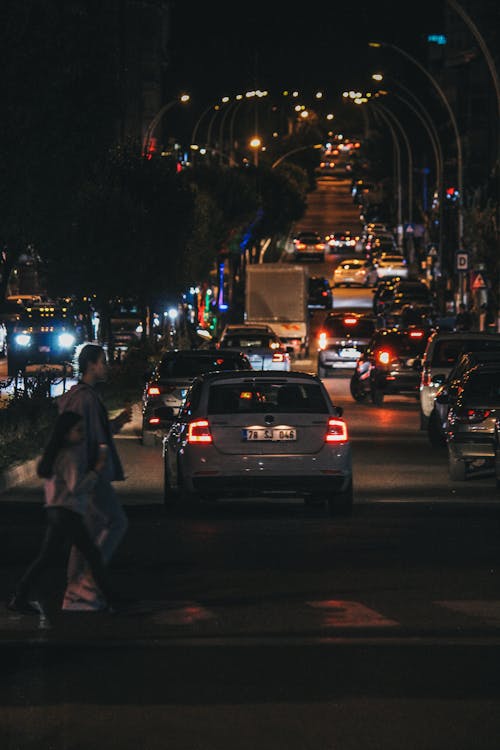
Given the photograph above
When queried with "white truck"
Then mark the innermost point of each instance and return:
(276, 295)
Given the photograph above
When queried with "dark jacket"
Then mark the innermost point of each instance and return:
(83, 399)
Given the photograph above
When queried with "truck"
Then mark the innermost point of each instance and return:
(276, 294)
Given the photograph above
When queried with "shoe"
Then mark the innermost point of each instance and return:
(23, 606)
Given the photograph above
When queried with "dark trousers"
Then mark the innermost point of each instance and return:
(65, 526)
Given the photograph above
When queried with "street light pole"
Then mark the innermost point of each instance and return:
(294, 151)
(156, 119)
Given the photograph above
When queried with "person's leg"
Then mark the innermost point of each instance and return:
(79, 536)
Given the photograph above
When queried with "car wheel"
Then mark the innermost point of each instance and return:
(377, 396)
(434, 431)
(322, 371)
(341, 504)
(457, 469)
(357, 391)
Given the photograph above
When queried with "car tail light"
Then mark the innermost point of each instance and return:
(154, 390)
(279, 357)
(336, 431)
(322, 340)
(199, 432)
(350, 321)
(319, 246)
(324, 294)
(154, 420)
(472, 416)
(416, 334)
(384, 357)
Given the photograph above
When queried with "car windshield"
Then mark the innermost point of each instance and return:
(245, 398)
(349, 326)
(448, 351)
(482, 388)
(190, 366)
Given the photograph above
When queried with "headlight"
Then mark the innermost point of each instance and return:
(66, 340)
(23, 339)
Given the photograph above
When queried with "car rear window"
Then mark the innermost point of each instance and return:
(246, 398)
(404, 345)
(448, 351)
(343, 327)
(189, 367)
(244, 341)
(482, 388)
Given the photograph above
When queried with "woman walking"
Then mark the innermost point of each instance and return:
(67, 488)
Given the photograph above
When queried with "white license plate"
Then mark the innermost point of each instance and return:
(44, 348)
(276, 434)
(349, 353)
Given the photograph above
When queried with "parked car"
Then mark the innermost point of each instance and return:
(389, 365)
(320, 293)
(342, 338)
(470, 424)
(354, 272)
(308, 245)
(341, 242)
(167, 384)
(259, 434)
(265, 350)
(450, 390)
(442, 352)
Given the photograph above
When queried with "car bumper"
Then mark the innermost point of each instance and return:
(463, 448)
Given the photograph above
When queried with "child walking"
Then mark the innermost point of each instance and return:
(67, 488)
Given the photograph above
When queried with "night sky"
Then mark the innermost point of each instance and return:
(224, 48)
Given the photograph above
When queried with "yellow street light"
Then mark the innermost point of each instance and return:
(183, 99)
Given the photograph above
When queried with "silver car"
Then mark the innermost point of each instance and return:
(259, 434)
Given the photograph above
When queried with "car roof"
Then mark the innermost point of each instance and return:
(258, 375)
(201, 353)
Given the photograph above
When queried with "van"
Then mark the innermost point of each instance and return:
(443, 350)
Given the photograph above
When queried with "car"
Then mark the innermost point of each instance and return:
(391, 265)
(243, 328)
(403, 292)
(247, 434)
(342, 338)
(265, 351)
(449, 391)
(308, 245)
(341, 242)
(354, 271)
(168, 382)
(442, 352)
(45, 334)
(389, 365)
(471, 420)
(319, 293)
(382, 291)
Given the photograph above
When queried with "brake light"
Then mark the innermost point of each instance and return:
(350, 321)
(384, 357)
(416, 334)
(154, 420)
(199, 432)
(279, 357)
(336, 431)
(472, 416)
(154, 390)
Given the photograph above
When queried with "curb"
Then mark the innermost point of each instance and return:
(17, 474)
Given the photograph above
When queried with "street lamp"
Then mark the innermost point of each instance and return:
(255, 144)
(183, 99)
(294, 151)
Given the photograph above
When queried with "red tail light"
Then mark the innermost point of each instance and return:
(279, 357)
(199, 432)
(322, 340)
(154, 390)
(384, 357)
(350, 321)
(154, 420)
(416, 334)
(336, 431)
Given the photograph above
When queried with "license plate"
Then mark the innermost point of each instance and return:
(349, 353)
(276, 434)
(44, 348)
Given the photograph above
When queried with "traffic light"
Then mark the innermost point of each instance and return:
(452, 194)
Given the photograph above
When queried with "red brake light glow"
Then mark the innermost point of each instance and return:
(416, 334)
(154, 390)
(322, 340)
(278, 357)
(154, 420)
(336, 431)
(384, 357)
(350, 321)
(199, 432)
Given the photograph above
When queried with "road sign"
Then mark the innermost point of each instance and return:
(462, 261)
(478, 282)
